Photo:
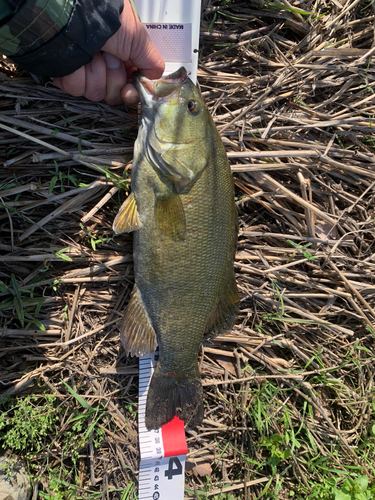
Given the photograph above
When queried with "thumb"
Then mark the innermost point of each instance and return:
(132, 43)
(145, 56)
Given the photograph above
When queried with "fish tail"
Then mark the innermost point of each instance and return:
(170, 395)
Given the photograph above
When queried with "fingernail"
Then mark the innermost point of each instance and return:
(111, 61)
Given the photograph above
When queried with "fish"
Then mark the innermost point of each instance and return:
(183, 216)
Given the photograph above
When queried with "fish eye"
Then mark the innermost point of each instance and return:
(193, 107)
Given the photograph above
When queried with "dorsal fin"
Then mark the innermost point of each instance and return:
(127, 218)
(137, 334)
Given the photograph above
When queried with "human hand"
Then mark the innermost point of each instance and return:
(107, 76)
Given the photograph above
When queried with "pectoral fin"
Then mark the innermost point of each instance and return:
(137, 334)
(170, 217)
(127, 219)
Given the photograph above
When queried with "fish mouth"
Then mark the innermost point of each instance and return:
(156, 90)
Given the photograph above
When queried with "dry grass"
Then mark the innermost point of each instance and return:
(289, 392)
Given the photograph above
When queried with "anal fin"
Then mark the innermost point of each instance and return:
(170, 217)
(137, 334)
(127, 218)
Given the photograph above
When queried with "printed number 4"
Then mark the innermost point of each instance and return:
(173, 471)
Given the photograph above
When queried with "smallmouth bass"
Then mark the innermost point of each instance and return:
(184, 219)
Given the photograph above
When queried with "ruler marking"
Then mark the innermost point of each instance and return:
(161, 470)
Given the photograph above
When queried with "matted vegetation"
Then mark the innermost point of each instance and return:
(289, 395)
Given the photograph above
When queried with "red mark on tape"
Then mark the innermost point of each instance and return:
(174, 440)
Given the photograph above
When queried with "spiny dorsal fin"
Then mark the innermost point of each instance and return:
(137, 334)
(170, 217)
(226, 310)
(127, 218)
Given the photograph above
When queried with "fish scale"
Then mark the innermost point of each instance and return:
(181, 289)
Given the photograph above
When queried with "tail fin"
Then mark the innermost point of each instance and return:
(169, 396)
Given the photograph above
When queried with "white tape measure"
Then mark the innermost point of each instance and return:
(173, 26)
(163, 451)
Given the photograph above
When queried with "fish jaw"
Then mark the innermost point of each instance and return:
(156, 91)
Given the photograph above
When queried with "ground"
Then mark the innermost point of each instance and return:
(289, 395)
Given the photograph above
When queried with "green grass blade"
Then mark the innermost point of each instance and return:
(3, 287)
(290, 9)
(80, 400)
(15, 287)
(20, 310)
(92, 426)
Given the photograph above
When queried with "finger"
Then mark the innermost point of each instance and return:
(96, 79)
(129, 95)
(129, 68)
(131, 42)
(116, 78)
(73, 84)
(145, 56)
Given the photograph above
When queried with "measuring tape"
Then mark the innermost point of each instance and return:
(163, 451)
(173, 26)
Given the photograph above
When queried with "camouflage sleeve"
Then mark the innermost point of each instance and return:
(6, 10)
(56, 37)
